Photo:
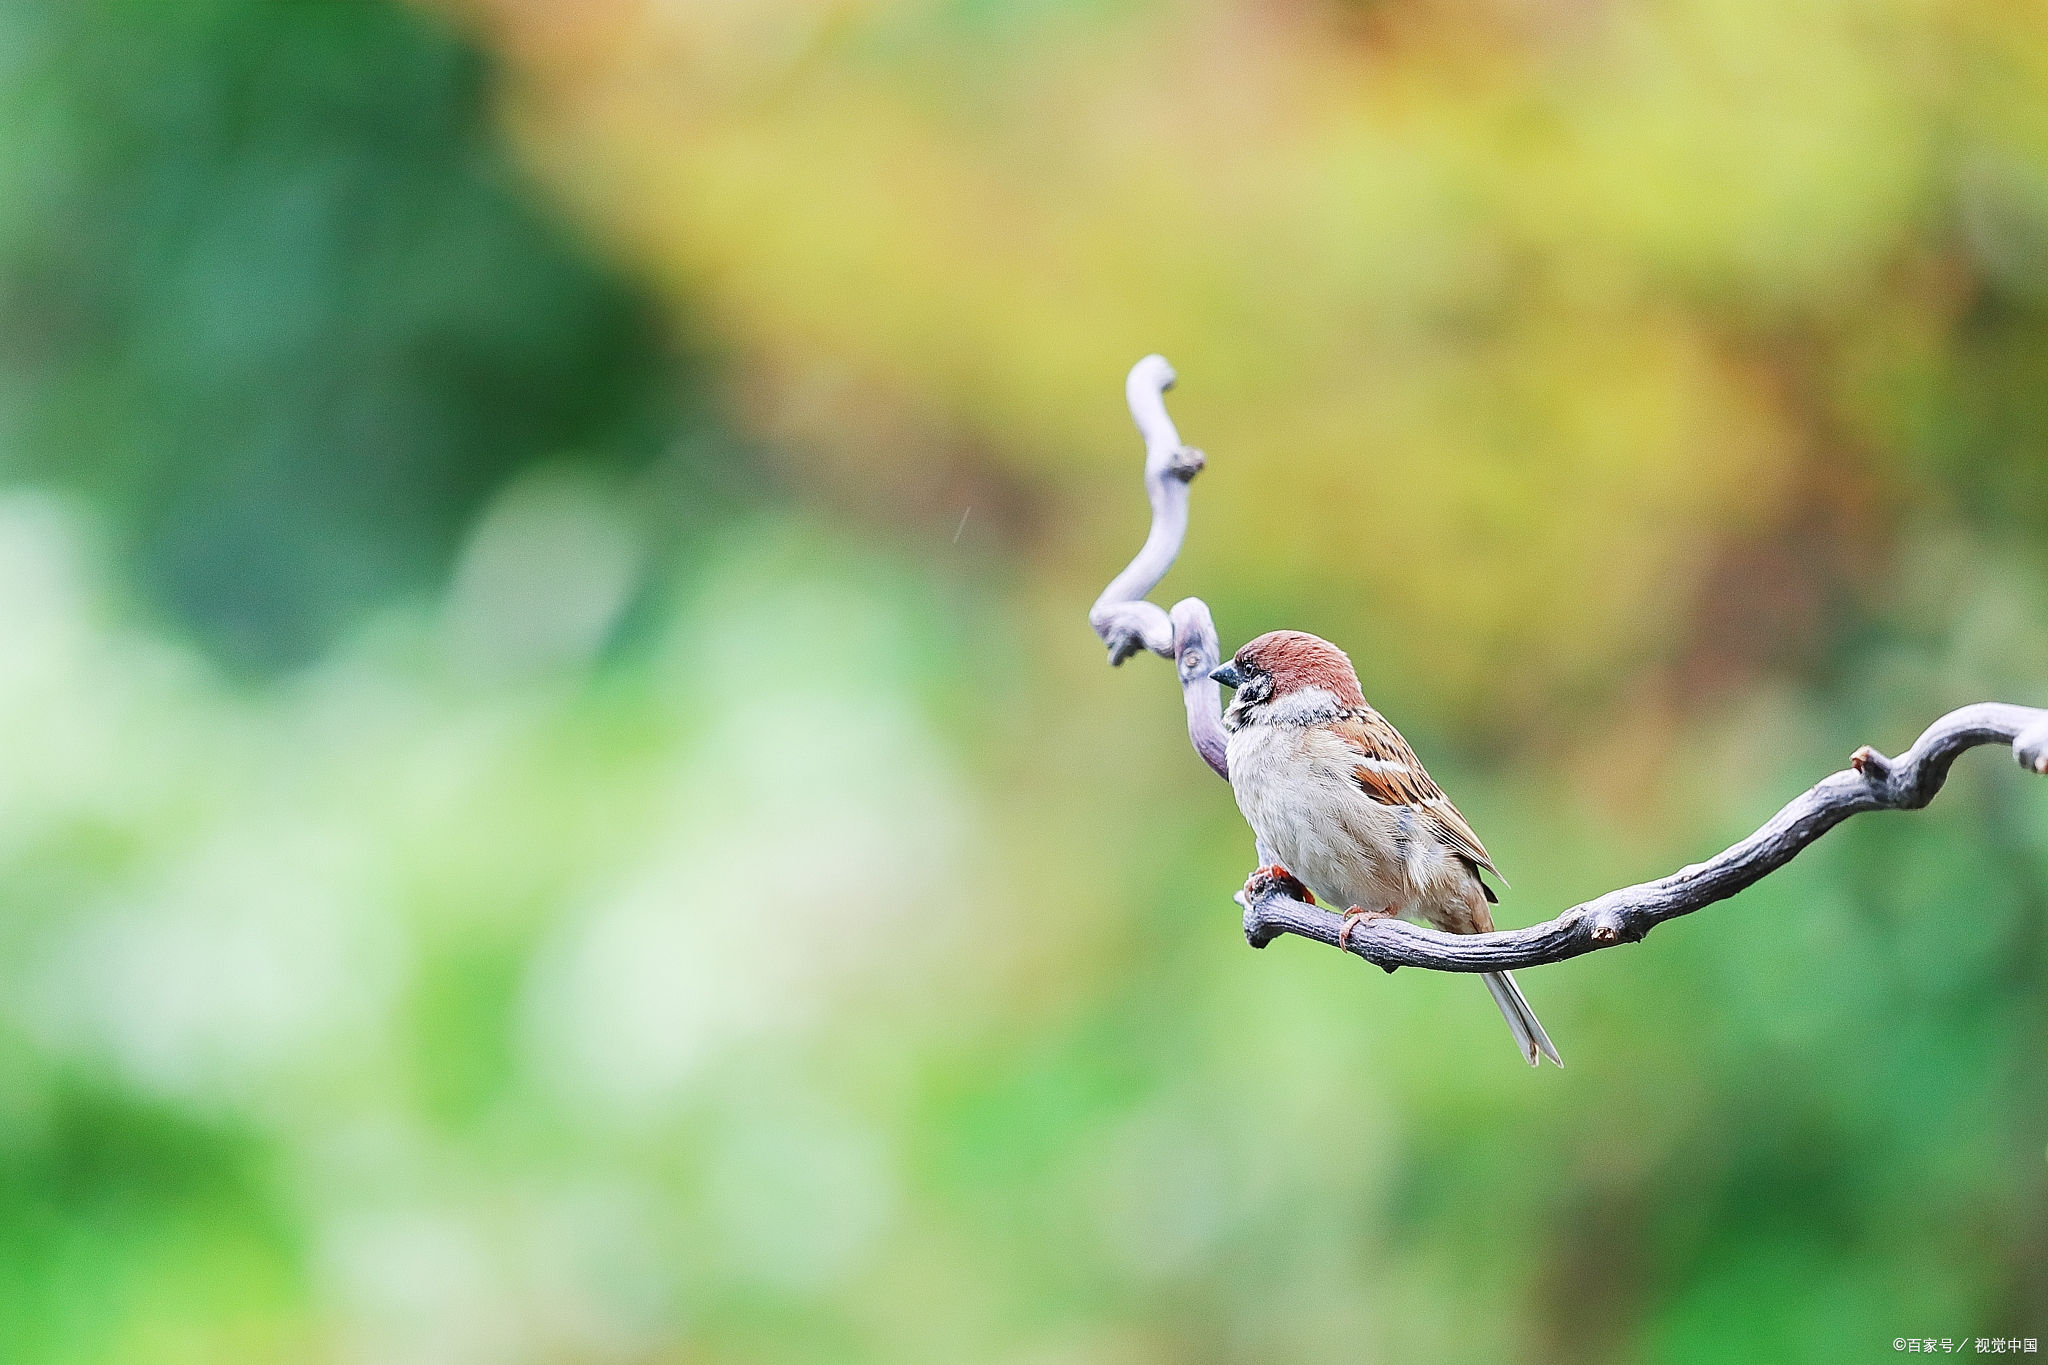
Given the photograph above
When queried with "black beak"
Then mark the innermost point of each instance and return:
(1228, 675)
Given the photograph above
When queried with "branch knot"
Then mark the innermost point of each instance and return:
(1185, 463)
(2030, 747)
(1871, 765)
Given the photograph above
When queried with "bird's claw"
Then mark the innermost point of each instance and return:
(1355, 917)
(1277, 878)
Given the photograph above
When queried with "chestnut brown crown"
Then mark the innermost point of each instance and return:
(1294, 659)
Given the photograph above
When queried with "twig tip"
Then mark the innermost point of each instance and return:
(1155, 371)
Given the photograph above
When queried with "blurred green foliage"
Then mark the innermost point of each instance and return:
(557, 804)
(277, 300)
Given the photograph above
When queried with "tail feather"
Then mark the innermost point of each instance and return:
(1529, 1034)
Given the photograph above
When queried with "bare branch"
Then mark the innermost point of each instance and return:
(1871, 782)
(1127, 623)
(1123, 618)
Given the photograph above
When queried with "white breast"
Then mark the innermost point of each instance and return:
(1294, 784)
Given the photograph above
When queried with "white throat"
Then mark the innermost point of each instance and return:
(1302, 706)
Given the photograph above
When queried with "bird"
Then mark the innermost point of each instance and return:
(1340, 802)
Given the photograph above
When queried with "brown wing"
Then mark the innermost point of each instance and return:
(1389, 772)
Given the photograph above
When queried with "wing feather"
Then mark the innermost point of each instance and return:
(1389, 772)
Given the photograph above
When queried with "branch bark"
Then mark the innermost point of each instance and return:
(1128, 623)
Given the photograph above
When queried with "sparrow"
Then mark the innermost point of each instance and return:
(1341, 803)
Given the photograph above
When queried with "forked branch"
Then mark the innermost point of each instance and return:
(1128, 623)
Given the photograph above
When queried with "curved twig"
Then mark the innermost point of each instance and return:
(1128, 623)
(1123, 618)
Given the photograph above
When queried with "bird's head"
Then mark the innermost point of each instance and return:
(1289, 674)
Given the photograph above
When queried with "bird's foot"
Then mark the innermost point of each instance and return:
(1277, 878)
(1355, 917)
